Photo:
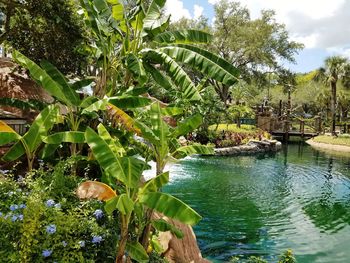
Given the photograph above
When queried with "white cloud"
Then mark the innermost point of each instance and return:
(198, 11)
(315, 23)
(176, 9)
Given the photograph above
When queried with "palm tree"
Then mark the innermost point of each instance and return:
(333, 71)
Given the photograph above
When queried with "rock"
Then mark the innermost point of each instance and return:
(253, 146)
(183, 250)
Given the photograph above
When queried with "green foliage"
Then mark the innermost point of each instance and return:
(47, 24)
(41, 212)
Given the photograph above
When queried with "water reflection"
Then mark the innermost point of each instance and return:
(263, 205)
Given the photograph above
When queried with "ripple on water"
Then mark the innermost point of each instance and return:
(265, 205)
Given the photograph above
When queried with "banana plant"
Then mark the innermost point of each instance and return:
(28, 143)
(125, 191)
(137, 40)
(76, 110)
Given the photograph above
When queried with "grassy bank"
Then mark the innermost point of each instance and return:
(227, 135)
(343, 139)
(245, 128)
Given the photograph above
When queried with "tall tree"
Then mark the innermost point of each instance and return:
(44, 30)
(334, 69)
(255, 46)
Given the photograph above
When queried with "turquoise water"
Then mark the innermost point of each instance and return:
(262, 205)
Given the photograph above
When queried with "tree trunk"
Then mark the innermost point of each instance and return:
(333, 103)
(122, 243)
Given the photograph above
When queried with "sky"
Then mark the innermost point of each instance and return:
(321, 25)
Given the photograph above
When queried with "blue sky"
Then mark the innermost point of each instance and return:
(321, 25)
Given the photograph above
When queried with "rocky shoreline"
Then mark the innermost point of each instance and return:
(252, 147)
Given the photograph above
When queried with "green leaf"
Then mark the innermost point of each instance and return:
(68, 136)
(184, 37)
(206, 62)
(170, 207)
(163, 226)
(114, 144)
(127, 169)
(172, 111)
(154, 184)
(41, 125)
(159, 78)
(59, 78)
(137, 252)
(184, 151)
(125, 205)
(111, 205)
(96, 106)
(48, 150)
(117, 10)
(178, 76)
(147, 133)
(154, 22)
(7, 134)
(42, 77)
(23, 105)
(82, 83)
(134, 64)
(188, 125)
(160, 129)
(129, 102)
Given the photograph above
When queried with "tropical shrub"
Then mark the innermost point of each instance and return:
(41, 219)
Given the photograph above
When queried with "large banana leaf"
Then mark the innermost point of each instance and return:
(148, 134)
(178, 76)
(170, 207)
(129, 102)
(61, 80)
(40, 75)
(183, 36)
(160, 129)
(154, 184)
(159, 78)
(188, 125)
(154, 22)
(39, 128)
(137, 252)
(7, 134)
(119, 116)
(114, 144)
(206, 62)
(134, 64)
(82, 83)
(93, 189)
(68, 136)
(125, 205)
(163, 226)
(184, 151)
(128, 170)
(23, 105)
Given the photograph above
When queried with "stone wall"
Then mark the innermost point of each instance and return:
(253, 146)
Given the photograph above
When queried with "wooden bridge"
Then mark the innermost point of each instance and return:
(285, 127)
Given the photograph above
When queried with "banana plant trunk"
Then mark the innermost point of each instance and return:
(123, 241)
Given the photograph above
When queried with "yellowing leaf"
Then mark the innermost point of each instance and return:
(119, 116)
(92, 189)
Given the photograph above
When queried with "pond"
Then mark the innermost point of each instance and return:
(262, 205)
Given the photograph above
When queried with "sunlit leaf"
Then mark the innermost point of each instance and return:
(97, 190)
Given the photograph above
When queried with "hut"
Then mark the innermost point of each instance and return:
(16, 85)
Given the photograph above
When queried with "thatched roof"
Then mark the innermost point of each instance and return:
(15, 83)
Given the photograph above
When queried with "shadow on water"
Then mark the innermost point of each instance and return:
(262, 205)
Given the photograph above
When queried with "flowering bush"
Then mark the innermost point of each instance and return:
(40, 223)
